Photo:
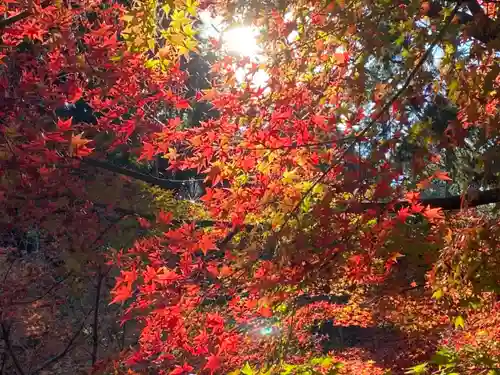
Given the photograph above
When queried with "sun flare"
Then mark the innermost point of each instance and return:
(242, 40)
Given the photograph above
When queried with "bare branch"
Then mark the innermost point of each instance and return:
(95, 325)
(8, 345)
(66, 350)
(47, 292)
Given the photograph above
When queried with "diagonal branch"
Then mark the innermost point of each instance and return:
(8, 345)
(483, 27)
(66, 350)
(165, 184)
(47, 292)
(20, 16)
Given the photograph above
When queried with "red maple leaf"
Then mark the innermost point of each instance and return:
(167, 277)
(165, 217)
(64, 125)
(282, 115)
(206, 243)
(318, 120)
(182, 104)
(403, 214)
(144, 223)
(179, 370)
(412, 197)
(74, 94)
(213, 363)
(148, 152)
(265, 311)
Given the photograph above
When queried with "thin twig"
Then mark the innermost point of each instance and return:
(8, 345)
(66, 350)
(8, 271)
(47, 292)
(4, 360)
(95, 325)
(121, 344)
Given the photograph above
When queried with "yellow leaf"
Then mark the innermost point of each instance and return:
(151, 43)
(290, 176)
(191, 7)
(127, 18)
(277, 219)
(188, 30)
(459, 322)
(438, 294)
(166, 8)
(179, 19)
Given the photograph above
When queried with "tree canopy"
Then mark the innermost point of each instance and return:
(275, 187)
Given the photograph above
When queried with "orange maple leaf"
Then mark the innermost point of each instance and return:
(206, 243)
(424, 184)
(121, 293)
(78, 140)
(433, 214)
(265, 311)
(443, 176)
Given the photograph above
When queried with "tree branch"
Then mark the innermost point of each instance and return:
(165, 184)
(4, 360)
(8, 345)
(95, 325)
(20, 16)
(483, 28)
(47, 292)
(66, 350)
(454, 202)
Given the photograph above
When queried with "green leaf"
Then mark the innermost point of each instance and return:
(418, 369)
(400, 40)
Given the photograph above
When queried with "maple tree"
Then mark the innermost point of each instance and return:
(316, 247)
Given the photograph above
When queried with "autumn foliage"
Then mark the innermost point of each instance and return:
(316, 248)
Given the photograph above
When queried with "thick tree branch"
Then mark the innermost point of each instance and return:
(447, 203)
(482, 27)
(165, 184)
(455, 202)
